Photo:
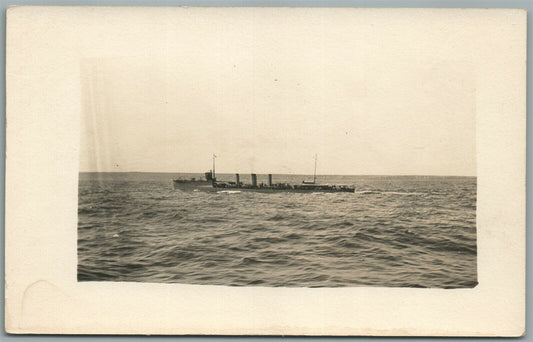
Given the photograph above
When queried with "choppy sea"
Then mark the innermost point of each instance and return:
(394, 231)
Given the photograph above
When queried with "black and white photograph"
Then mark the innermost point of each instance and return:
(279, 171)
(325, 162)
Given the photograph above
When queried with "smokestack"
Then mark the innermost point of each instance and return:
(237, 179)
(254, 180)
(269, 179)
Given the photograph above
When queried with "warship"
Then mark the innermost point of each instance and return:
(210, 184)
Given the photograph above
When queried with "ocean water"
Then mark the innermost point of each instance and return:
(394, 231)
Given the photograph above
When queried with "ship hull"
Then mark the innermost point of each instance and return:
(210, 184)
(189, 184)
(208, 187)
(303, 191)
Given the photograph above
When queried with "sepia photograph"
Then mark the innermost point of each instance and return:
(316, 164)
(265, 171)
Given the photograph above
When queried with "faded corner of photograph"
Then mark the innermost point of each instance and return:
(251, 166)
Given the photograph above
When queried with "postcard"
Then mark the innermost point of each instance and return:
(265, 171)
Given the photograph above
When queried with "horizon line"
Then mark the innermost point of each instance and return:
(295, 174)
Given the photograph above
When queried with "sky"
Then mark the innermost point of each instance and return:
(267, 94)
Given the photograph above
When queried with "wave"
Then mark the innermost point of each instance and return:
(377, 192)
(378, 237)
(292, 236)
(276, 217)
(403, 193)
(249, 261)
(367, 192)
(343, 224)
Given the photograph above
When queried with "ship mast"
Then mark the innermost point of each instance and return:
(314, 175)
(214, 156)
